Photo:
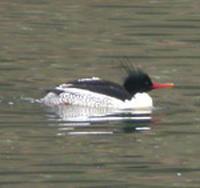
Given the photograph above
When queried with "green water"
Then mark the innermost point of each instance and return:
(45, 43)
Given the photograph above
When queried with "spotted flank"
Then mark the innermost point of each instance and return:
(74, 96)
(82, 97)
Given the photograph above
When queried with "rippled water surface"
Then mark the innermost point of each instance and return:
(44, 43)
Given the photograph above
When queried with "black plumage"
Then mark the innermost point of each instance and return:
(102, 87)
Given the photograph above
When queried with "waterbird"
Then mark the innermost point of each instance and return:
(97, 92)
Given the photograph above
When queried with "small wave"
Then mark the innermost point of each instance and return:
(79, 114)
(29, 99)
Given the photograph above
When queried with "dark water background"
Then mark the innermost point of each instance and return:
(44, 43)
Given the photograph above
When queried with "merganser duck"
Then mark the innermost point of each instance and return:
(96, 92)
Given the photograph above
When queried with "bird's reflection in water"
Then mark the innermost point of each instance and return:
(77, 120)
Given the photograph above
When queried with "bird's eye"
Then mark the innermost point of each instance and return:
(147, 83)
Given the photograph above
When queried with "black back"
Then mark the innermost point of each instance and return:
(96, 85)
(101, 86)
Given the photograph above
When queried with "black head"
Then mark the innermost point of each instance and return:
(137, 81)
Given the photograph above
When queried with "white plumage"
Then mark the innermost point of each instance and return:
(82, 97)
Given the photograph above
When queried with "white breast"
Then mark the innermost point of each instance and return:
(140, 100)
